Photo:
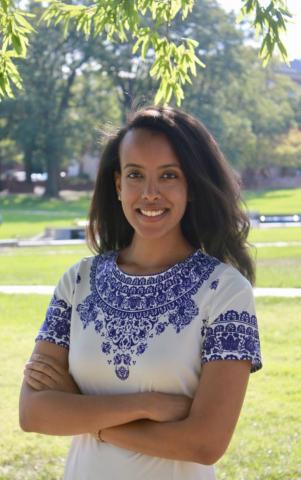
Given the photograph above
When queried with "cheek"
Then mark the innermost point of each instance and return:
(130, 191)
(178, 193)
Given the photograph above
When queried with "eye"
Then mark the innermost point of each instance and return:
(169, 175)
(134, 174)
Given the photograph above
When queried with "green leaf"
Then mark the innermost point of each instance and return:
(159, 96)
(156, 66)
(2, 86)
(4, 4)
(137, 44)
(22, 21)
(283, 51)
(16, 41)
(169, 92)
(192, 42)
(145, 48)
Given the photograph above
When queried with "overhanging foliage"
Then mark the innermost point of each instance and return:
(119, 20)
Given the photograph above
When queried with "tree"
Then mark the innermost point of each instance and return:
(249, 109)
(92, 110)
(288, 150)
(9, 154)
(39, 120)
(128, 74)
(174, 63)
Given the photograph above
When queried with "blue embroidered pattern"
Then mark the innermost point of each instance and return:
(131, 307)
(214, 284)
(56, 327)
(232, 336)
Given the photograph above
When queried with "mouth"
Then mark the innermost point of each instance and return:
(152, 214)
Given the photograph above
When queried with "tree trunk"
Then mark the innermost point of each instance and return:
(52, 152)
(28, 163)
(126, 105)
(52, 163)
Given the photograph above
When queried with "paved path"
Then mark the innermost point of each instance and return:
(27, 289)
(277, 292)
(42, 242)
(48, 290)
(38, 243)
(277, 244)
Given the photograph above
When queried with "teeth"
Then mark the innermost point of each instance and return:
(152, 213)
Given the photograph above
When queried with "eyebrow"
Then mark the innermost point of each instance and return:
(168, 165)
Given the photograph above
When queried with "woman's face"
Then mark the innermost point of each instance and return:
(151, 185)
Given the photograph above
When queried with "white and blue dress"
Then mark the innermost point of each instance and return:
(141, 333)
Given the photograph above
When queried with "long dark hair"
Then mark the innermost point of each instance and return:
(213, 220)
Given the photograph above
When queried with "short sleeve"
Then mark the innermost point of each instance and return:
(231, 330)
(56, 326)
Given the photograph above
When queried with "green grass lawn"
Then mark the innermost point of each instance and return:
(27, 228)
(265, 446)
(39, 265)
(281, 234)
(274, 201)
(33, 202)
(25, 216)
(276, 266)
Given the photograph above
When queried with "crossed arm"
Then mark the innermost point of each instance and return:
(162, 425)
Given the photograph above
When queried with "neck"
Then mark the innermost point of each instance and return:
(153, 255)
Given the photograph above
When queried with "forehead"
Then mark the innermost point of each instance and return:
(143, 146)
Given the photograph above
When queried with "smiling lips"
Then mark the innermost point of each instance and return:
(152, 213)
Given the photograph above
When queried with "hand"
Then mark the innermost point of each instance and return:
(166, 407)
(45, 373)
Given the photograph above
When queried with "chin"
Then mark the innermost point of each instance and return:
(155, 231)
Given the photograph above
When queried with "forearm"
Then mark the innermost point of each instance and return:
(172, 440)
(60, 413)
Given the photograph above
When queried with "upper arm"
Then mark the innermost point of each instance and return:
(231, 331)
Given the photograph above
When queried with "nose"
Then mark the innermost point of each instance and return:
(151, 190)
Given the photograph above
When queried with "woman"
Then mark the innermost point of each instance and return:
(147, 347)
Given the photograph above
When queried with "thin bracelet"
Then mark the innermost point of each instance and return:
(99, 436)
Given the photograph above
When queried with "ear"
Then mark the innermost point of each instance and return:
(117, 179)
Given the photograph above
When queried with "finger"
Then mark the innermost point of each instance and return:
(49, 361)
(43, 368)
(35, 384)
(40, 377)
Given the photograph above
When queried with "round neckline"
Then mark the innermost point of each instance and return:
(176, 266)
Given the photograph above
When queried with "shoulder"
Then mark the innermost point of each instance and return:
(223, 286)
(79, 275)
(221, 275)
(87, 267)
(88, 263)
(230, 277)
(229, 292)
